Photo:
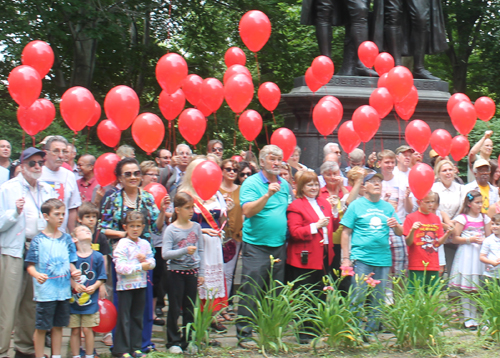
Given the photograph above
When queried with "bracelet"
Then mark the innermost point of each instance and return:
(467, 240)
(345, 258)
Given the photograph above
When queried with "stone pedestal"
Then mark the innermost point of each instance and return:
(353, 92)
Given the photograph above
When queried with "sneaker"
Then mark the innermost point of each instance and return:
(138, 354)
(159, 312)
(149, 349)
(192, 349)
(247, 343)
(175, 350)
(126, 355)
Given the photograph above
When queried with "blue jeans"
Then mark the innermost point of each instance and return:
(377, 297)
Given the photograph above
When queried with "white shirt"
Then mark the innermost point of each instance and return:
(4, 175)
(32, 204)
(491, 247)
(317, 210)
(64, 183)
(450, 199)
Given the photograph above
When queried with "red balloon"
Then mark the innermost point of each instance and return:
(322, 68)
(158, 191)
(405, 112)
(285, 139)
(311, 81)
(348, 138)
(122, 106)
(238, 92)
(77, 107)
(367, 53)
(459, 147)
(235, 56)
(420, 180)
(191, 86)
(37, 117)
(381, 100)
(406, 107)
(206, 179)
(399, 82)
(235, 70)
(204, 109)
(108, 133)
(107, 317)
(326, 117)
(148, 132)
(255, 30)
(171, 105)
(171, 70)
(382, 81)
(334, 100)
(384, 63)
(417, 135)
(454, 99)
(192, 125)
(104, 169)
(212, 93)
(96, 116)
(25, 85)
(250, 124)
(39, 55)
(463, 117)
(366, 122)
(237, 158)
(441, 142)
(269, 95)
(485, 108)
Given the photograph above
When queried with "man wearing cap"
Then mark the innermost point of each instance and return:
(20, 221)
(481, 150)
(481, 170)
(365, 239)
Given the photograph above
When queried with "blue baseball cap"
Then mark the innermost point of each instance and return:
(31, 151)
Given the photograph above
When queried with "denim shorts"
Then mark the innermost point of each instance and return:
(52, 314)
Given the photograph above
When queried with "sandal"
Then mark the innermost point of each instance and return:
(226, 316)
(107, 339)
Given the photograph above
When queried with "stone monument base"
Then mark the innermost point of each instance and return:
(353, 92)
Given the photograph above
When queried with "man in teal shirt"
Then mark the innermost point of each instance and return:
(366, 235)
(264, 198)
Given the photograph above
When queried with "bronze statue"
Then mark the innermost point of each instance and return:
(400, 27)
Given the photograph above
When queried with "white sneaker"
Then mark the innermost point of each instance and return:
(175, 350)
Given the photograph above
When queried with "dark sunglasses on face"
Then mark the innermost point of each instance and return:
(32, 163)
(229, 170)
(245, 174)
(136, 174)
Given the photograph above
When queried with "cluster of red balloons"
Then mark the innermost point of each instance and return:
(320, 73)
(464, 114)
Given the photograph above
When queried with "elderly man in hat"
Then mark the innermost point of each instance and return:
(482, 171)
(20, 221)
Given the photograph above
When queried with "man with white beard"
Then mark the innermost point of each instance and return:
(20, 220)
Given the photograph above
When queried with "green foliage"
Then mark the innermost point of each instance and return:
(419, 314)
(488, 302)
(197, 332)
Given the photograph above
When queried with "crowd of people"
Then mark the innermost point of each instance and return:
(66, 242)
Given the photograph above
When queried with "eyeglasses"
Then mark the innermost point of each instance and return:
(136, 174)
(245, 174)
(59, 152)
(229, 170)
(165, 158)
(152, 175)
(32, 163)
(338, 152)
(218, 149)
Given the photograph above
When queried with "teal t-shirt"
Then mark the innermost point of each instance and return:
(370, 233)
(268, 227)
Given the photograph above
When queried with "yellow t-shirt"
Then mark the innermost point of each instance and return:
(485, 193)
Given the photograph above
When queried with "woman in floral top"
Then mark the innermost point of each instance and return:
(131, 197)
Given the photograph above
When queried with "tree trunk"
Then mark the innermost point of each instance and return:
(84, 54)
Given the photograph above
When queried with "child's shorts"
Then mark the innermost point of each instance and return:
(84, 320)
(52, 314)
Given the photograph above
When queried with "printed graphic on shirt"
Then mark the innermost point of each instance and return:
(88, 275)
(58, 188)
(190, 240)
(426, 237)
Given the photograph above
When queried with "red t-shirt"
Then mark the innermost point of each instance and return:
(424, 247)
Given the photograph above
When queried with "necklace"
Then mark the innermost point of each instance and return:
(129, 202)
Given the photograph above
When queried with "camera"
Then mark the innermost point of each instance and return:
(304, 257)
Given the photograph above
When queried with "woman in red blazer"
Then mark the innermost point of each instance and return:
(311, 222)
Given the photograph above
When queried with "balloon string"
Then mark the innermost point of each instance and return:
(258, 69)
(382, 143)
(34, 141)
(168, 135)
(23, 140)
(267, 135)
(364, 144)
(274, 119)
(87, 141)
(174, 138)
(74, 139)
(255, 141)
(310, 116)
(215, 119)
(399, 127)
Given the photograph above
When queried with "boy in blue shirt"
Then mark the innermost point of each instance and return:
(84, 309)
(51, 259)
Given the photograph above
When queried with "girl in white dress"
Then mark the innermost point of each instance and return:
(471, 228)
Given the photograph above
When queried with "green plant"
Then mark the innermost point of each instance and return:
(275, 311)
(419, 314)
(488, 302)
(336, 315)
(197, 331)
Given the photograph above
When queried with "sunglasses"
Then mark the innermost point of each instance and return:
(245, 174)
(32, 163)
(229, 170)
(152, 175)
(136, 174)
(218, 149)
